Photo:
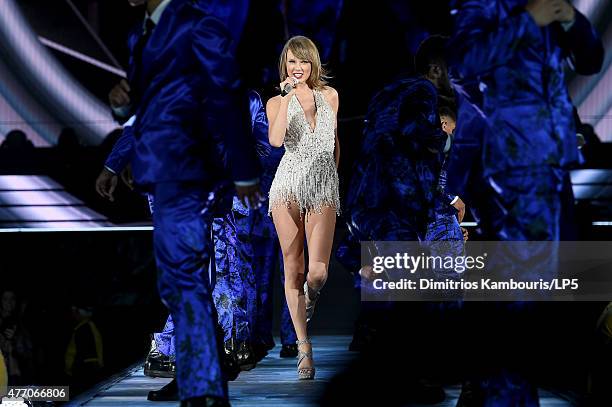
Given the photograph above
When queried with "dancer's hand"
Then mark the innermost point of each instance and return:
(567, 13)
(250, 195)
(106, 184)
(127, 177)
(367, 273)
(545, 12)
(465, 234)
(460, 206)
(119, 96)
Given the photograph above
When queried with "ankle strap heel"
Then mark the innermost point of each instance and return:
(304, 373)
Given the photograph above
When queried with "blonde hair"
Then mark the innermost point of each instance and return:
(303, 48)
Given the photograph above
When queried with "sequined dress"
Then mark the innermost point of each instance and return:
(307, 174)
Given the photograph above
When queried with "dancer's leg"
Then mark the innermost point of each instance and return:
(182, 250)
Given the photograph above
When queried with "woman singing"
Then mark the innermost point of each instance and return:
(304, 199)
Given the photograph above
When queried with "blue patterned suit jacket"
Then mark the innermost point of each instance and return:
(521, 69)
(191, 110)
(394, 184)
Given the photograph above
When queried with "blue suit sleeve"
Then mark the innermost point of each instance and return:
(583, 46)
(481, 43)
(442, 180)
(121, 154)
(259, 122)
(226, 102)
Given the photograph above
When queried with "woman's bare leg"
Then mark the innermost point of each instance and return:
(290, 229)
(320, 237)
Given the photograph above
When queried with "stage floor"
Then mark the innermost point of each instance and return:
(272, 383)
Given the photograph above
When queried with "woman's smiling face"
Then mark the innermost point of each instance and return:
(298, 69)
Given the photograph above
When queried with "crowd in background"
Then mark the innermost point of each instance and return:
(62, 310)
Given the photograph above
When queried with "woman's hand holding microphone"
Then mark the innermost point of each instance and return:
(288, 86)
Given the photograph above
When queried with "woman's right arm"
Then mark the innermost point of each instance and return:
(276, 109)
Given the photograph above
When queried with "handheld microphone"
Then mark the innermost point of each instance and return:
(287, 88)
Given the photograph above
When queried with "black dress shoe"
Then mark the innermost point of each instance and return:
(205, 401)
(167, 393)
(288, 351)
(245, 357)
(241, 352)
(158, 365)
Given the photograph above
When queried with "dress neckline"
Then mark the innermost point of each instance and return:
(316, 115)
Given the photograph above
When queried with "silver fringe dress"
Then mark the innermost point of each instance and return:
(307, 174)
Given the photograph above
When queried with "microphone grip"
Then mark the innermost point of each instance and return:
(286, 89)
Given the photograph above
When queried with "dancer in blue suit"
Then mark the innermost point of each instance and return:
(186, 95)
(395, 194)
(392, 193)
(517, 50)
(444, 225)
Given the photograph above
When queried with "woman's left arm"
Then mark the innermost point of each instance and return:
(332, 98)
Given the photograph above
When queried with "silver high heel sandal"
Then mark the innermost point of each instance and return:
(311, 302)
(304, 373)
